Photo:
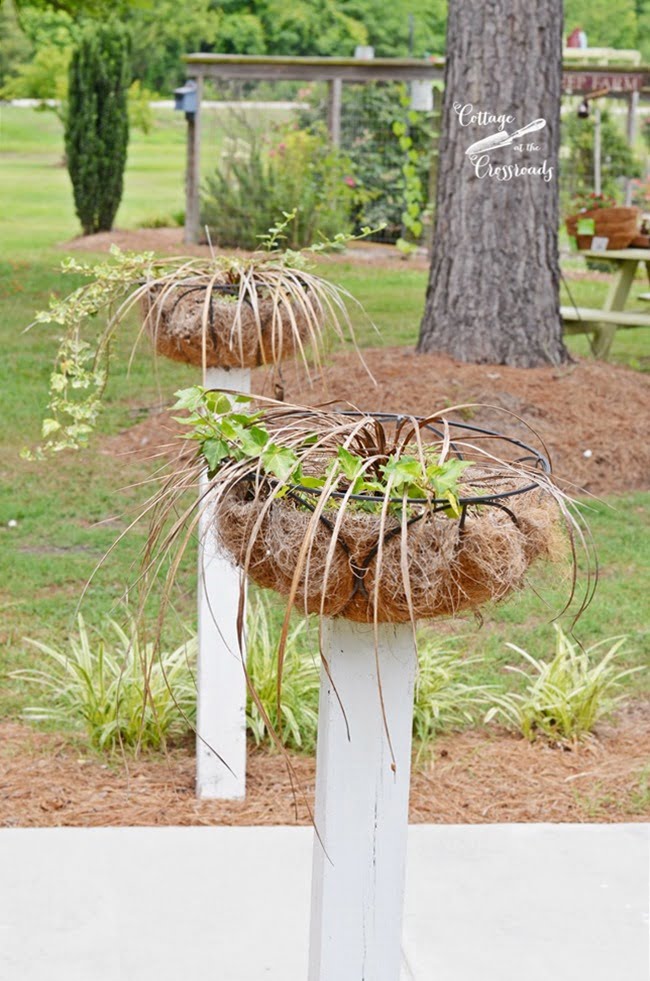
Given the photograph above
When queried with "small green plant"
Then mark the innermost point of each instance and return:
(443, 700)
(255, 181)
(297, 721)
(118, 688)
(567, 695)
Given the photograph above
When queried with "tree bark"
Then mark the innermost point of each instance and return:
(493, 292)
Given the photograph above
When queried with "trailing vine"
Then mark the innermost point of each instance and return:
(90, 315)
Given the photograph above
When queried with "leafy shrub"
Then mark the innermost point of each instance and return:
(255, 182)
(97, 124)
(168, 220)
(567, 695)
(577, 159)
(119, 689)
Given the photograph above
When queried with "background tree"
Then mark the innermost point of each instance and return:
(602, 29)
(493, 293)
(97, 124)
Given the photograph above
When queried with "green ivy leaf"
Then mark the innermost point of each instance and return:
(314, 482)
(189, 398)
(279, 460)
(217, 402)
(403, 471)
(49, 426)
(253, 440)
(214, 451)
(349, 464)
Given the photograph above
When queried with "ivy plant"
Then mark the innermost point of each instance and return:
(228, 434)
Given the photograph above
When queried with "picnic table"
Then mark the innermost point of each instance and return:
(603, 323)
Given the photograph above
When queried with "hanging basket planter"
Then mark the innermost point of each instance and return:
(452, 565)
(212, 325)
(218, 312)
(376, 517)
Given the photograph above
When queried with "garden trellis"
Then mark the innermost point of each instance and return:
(622, 81)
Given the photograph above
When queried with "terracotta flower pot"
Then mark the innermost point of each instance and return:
(618, 225)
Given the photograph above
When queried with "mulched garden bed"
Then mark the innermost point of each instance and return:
(476, 777)
(595, 420)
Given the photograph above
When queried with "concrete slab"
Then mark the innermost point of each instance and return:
(488, 902)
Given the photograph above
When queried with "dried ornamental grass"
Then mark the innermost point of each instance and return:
(240, 318)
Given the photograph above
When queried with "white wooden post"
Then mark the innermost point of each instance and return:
(361, 803)
(334, 111)
(221, 683)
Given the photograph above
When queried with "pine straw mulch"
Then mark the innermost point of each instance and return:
(169, 241)
(475, 777)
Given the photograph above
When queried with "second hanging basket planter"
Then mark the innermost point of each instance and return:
(617, 224)
(450, 566)
(214, 325)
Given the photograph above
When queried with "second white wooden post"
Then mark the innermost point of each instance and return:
(221, 683)
(362, 793)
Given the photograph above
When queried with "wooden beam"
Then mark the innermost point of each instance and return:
(313, 69)
(621, 79)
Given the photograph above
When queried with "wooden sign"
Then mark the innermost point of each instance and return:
(589, 80)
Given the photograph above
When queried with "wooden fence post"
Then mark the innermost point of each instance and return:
(632, 109)
(362, 795)
(221, 683)
(193, 169)
(334, 111)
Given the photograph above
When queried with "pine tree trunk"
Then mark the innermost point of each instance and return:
(493, 293)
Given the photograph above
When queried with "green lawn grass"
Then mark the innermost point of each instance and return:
(70, 510)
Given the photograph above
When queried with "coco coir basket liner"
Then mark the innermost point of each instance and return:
(391, 569)
(227, 331)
